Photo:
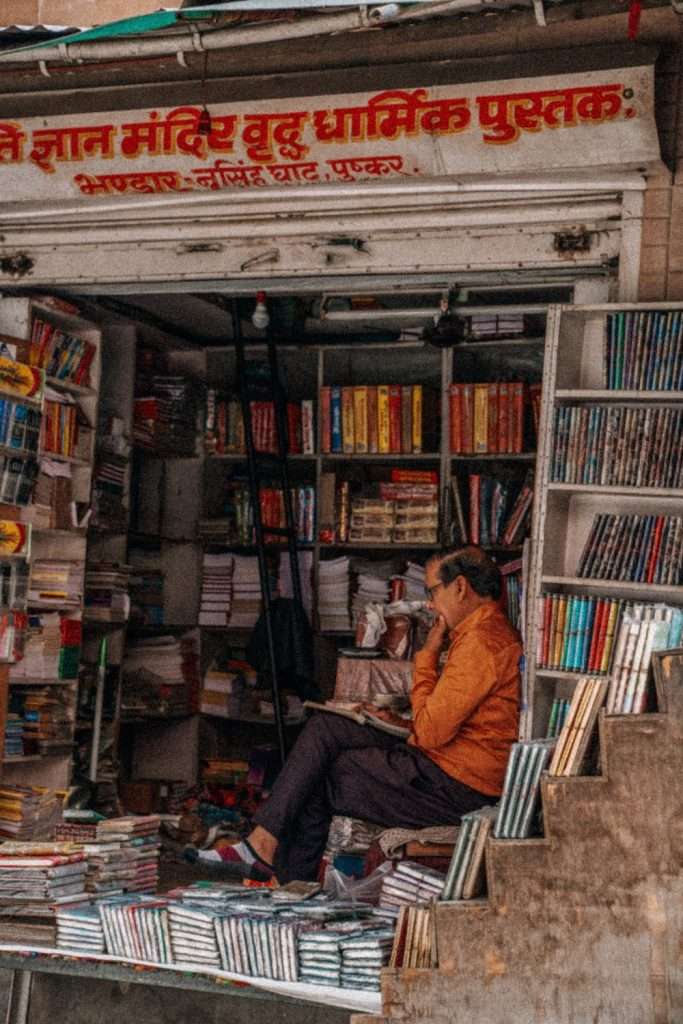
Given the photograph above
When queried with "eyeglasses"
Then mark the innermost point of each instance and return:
(430, 591)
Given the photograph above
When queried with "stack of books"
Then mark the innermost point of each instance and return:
(34, 880)
(139, 837)
(14, 734)
(411, 883)
(333, 595)
(47, 720)
(146, 588)
(29, 812)
(165, 419)
(55, 582)
(52, 646)
(111, 867)
(246, 592)
(637, 548)
(414, 582)
(386, 419)
(106, 592)
(521, 789)
(372, 521)
(465, 876)
(158, 677)
(19, 426)
(61, 355)
(617, 446)
(216, 598)
(221, 693)
(79, 929)
(372, 586)
(482, 326)
(363, 956)
(578, 728)
(415, 494)
(643, 628)
(644, 351)
(109, 511)
(193, 934)
(489, 419)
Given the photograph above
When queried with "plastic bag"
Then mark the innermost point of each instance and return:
(365, 890)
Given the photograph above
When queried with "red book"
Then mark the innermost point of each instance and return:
(517, 424)
(372, 420)
(325, 421)
(467, 418)
(602, 633)
(547, 629)
(221, 426)
(503, 417)
(595, 635)
(492, 420)
(82, 374)
(294, 427)
(535, 399)
(455, 418)
(395, 418)
(654, 550)
(475, 494)
(414, 476)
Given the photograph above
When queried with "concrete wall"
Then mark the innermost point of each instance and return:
(80, 13)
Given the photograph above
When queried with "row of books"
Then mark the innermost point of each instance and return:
(62, 426)
(494, 518)
(415, 938)
(224, 426)
(19, 426)
(637, 548)
(61, 355)
(165, 419)
(231, 591)
(516, 817)
(51, 648)
(489, 418)
(559, 710)
(17, 479)
(465, 876)
(644, 351)
(160, 676)
(106, 597)
(366, 419)
(236, 526)
(578, 727)
(29, 812)
(34, 880)
(41, 720)
(617, 446)
(644, 628)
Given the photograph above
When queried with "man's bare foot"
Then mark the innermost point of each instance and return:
(263, 843)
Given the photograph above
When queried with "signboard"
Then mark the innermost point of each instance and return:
(587, 120)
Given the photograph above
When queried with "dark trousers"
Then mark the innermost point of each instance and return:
(339, 767)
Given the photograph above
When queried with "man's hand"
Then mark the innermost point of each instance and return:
(386, 715)
(436, 636)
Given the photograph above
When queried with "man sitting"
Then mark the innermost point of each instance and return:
(465, 720)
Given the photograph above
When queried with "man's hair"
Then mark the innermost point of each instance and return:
(481, 572)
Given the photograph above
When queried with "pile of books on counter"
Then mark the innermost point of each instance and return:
(35, 880)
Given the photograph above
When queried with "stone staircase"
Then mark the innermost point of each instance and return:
(583, 925)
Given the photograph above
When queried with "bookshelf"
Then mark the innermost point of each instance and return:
(608, 517)
(43, 687)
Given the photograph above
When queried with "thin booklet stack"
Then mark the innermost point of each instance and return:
(465, 876)
(415, 938)
(521, 789)
(411, 883)
(574, 739)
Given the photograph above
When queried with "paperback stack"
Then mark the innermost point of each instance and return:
(34, 880)
(465, 876)
(146, 588)
(48, 721)
(363, 956)
(139, 836)
(521, 789)
(111, 867)
(28, 812)
(638, 548)
(193, 936)
(246, 592)
(217, 582)
(79, 929)
(372, 586)
(55, 582)
(644, 628)
(106, 592)
(221, 693)
(285, 585)
(52, 646)
(156, 677)
(577, 732)
(414, 582)
(333, 595)
(372, 521)
(411, 883)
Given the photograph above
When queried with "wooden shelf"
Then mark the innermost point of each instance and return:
(21, 399)
(620, 489)
(498, 343)
(237, 457)
(70, 459)
(26, 758)
(627, 586)
(18, 453)
(606, 395)
(67, 385)
(380, 457)
(495, 457)
(380, 546)
(568, 675)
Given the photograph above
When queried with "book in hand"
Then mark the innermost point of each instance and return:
(360, 715)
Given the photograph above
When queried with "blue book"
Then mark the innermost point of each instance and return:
(675, 628)
(582, 610)
(643, 550)
(571, 623)
(586, 633)
(336, 419)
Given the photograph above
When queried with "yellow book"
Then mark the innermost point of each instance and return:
(416, 419)
(360, 418)
(609, 635)
(383, 418)
(481, 412)
(559, 630)
(348, 430)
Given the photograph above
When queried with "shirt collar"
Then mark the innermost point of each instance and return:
(474, 619)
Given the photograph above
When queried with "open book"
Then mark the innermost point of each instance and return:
(359, 715)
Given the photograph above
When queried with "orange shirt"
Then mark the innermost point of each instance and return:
(466, 719)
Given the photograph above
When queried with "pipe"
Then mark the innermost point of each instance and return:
(173, 44)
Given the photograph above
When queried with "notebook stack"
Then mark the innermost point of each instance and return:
(372, 586)
(193, 935)
(157, 677)
(106, 592)
(136, 928)
(139, 836)
(246, 592)
(411, 883)
(216, 599)
(79, 929)
(363, 957)
(465, 876)
(35, 878)
(521, 789)
(333, 595)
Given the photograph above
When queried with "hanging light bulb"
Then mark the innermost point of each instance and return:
(260, 318)
(204, 122)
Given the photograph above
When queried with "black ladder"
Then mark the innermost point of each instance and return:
(261, 466)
